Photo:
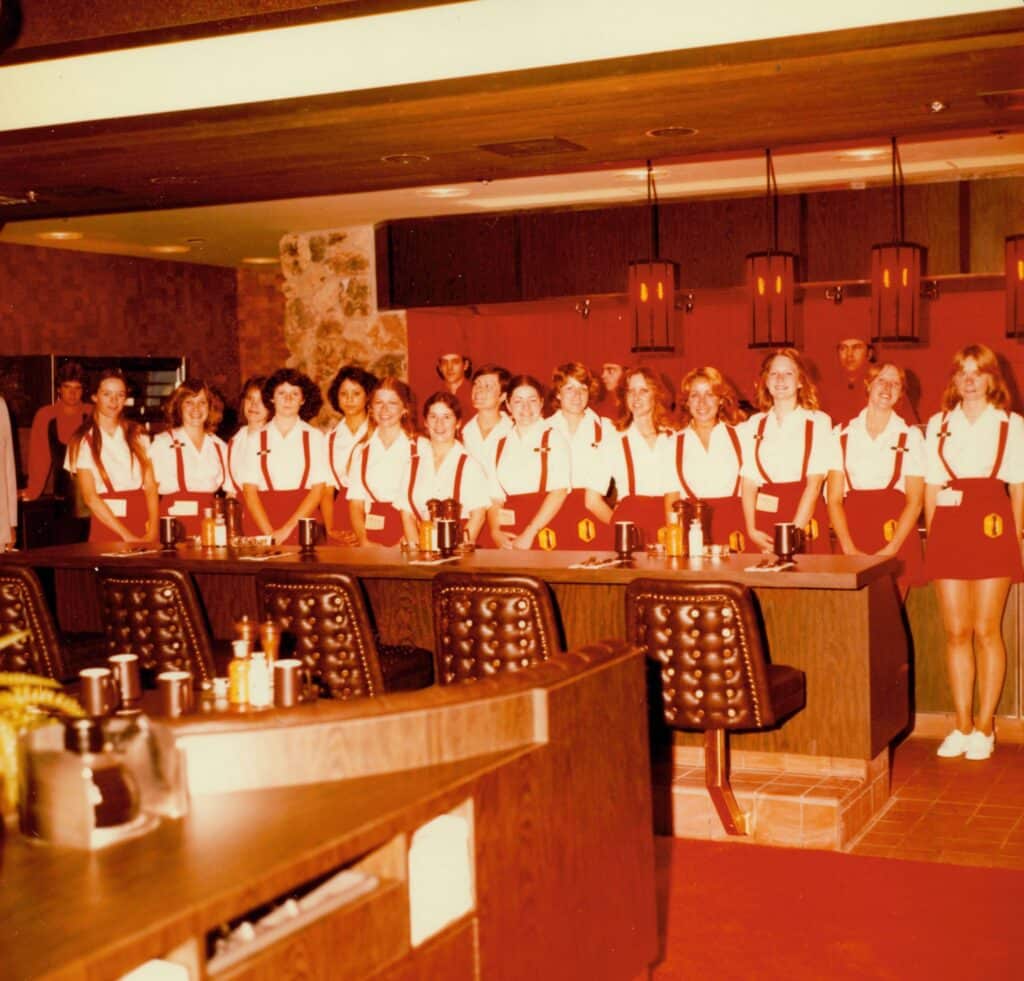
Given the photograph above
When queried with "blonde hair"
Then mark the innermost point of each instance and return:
(806, 393)
(988, 364)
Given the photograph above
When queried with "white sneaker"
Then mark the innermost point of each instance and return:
(955, 744)
(980, 746)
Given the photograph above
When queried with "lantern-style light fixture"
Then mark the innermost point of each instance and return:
(652, 288)
(771, 279)
(1015, 286)
(896, 270)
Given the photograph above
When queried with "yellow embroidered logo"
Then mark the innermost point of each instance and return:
(812, 529)
(586, 530)
(993, 525)
(737, 541)
(546, 539)
(889, 529)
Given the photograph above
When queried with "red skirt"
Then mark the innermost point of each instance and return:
(871, 516)
(523, 507)
(391, 531)
(135, 518)
(788, 494)
(976, 539)
(727, 524)
(646, 511)
(190, 523)
(574, 527)
(280, 505)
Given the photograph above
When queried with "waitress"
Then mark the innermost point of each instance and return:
(108, 455)
(635, 453)
(585, 512)
(785, 455)
(285, 467)
(378, 462)
(528, 474)
(189, 461)
(876, 479)
(705, 461)
(442, 470)
(974, 512)
(350, 395)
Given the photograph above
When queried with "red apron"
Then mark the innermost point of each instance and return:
(728, 526)
(391, 532)
(871, 517)
(574, 526)
(646, 511)
(203, 499)
(280, 505)
(788, 494)
(976, 539)
(135, 519)
(525, 506)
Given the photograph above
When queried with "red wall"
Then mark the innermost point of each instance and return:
(534, 337)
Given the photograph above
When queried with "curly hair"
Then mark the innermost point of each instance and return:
(988, 364)
(729, 410)
(189, 388)
(573, 371)
(312, 399)
(366, 380)
(661, 415)
(806, 392)
(445, 398)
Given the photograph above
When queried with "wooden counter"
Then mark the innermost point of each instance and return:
(555, 769)
(837, 618)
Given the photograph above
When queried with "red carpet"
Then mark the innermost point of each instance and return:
(746, 911)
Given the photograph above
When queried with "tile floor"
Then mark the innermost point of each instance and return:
(952, 811)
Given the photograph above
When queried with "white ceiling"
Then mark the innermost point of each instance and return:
(226, 235)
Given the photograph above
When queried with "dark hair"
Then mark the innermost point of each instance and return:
(133, 432)
(467, 366)
(493, 369)
(518, 381)
(255, 381)
(366, 380)
(312, 399)
(189, 388)
(445, 398)
(70, 371)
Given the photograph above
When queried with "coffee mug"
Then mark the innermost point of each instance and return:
(125, 669)
(788, 540)
(98, 691)
(447, 536)
(307, 534)
(627, 538)
(175, 688)
(168, 531)
(289, 682)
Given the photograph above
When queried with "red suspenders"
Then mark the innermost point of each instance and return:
(414, 455)
(265, 452)
(542, 449)
(178, 448)
(808, 444)
(897, 467)
(1004, 429)
(679, 461)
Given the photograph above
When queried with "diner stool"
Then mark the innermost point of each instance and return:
(709, 641)
(156, 614)
(23, 607)
(325, 622)
(486, 624)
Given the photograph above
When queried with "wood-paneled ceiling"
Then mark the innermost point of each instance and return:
(839, 88)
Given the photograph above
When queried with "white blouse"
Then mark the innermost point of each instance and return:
(871, 462)
(971, 448)
(588, 467)
(518, 471)
(710, 472)
(781, 450)
(122, 468)
(341, 441)
(648, 462)
(205, 469)
(439, 482)
(285, 458)
(383, 466)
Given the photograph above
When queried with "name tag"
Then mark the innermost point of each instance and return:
(184, 509)
(374, 522)
(118, 506)
(949, 497)
(506, 517)
(767, 502)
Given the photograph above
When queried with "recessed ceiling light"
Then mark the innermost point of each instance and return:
(937, 105)
(668, 132)
(443, 192)
(405, 159)
(261, 260)
(867, 153)
(64, 236)
(169, 249)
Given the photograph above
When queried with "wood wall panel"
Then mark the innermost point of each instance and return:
(565, 253)
(997, 210)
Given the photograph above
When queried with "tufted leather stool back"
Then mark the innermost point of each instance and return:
(487, 623)
(23, 607)
(324, 615)
(156, 614)
(709, 643)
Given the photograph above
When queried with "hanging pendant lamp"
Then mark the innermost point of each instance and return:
(1015, 287)
(652, 288)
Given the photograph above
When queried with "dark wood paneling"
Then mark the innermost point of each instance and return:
(997, 210)
(453, 261)
(566, 253)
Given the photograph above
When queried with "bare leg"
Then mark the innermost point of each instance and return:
(957, 622)
(988, 598)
